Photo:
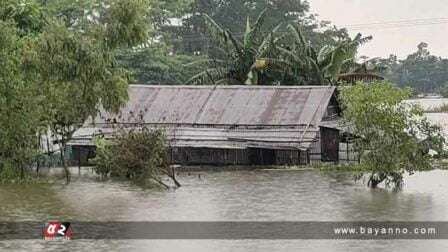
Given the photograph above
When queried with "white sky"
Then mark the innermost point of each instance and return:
(399, 41)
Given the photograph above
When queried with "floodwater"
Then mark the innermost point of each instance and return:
(430, 103)
(261, 195)
(440, 119)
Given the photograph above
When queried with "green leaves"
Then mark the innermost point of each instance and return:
(288, 64)
(58, 73)
(77, 67)
(20, 105)
(237, 62)
(393, 137)
(27, 15)
(125, 23)
(421, 70)
(136, 154)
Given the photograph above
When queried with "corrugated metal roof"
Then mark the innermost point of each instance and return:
(227, 105)
(275, 138)
(277, 117)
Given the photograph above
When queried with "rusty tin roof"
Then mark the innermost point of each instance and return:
(277, 117)
(227, 105)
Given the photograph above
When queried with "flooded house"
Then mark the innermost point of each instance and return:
(228, 125)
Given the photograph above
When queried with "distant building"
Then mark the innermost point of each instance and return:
(230, 125)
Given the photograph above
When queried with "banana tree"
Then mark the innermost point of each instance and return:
(238, 55)
(309, 66)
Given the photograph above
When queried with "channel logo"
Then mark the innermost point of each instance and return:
(57, 231)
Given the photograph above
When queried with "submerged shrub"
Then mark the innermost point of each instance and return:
(393, 136)
(137, 154)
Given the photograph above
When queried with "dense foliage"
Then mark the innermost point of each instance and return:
(157, 65)
(256, 59)
(444, 90)
(421, 70)
(394, 138)
(182, 33)
(20, 105)
(135, 154)
(59, 66)
(192, 32)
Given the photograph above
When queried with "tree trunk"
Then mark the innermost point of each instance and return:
(62, 144)
(160, 182)
(173, 177)
(39, 140)
(22, 171)
(48, 150)
(170, 172)
(373, 183)
(79, 161)
(37, 166)
(64, 164)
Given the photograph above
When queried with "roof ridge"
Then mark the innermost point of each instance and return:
(231, 86)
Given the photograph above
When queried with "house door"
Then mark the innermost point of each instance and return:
(329, 144)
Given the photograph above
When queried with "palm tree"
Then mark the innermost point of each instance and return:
(309, 66)
(257, 59)
(237, 56)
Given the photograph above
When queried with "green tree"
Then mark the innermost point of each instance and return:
(444, 90)
(421, 70)
(394, 138)
(26, 15)
(312, 66)
(259, 59)
(59, 67)
(76, 68)
(20, 107)
(236, 57)
(134, 154)
(232, 14)
(156, 65)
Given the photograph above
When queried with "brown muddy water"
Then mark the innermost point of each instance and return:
(261, 195)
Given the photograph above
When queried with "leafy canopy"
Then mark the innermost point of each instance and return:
(60, 65)
(20, 105)
(266, 59)
(393, 136)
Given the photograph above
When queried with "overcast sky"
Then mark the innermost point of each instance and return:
(400, 41)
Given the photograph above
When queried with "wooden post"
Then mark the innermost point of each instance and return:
(348, 153)
(235, 153)
(79, 160)
(225, 157)
(307, 157)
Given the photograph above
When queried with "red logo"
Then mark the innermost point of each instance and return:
(57, 230)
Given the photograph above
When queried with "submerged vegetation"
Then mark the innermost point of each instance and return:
(138, 155)
(393, 136)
